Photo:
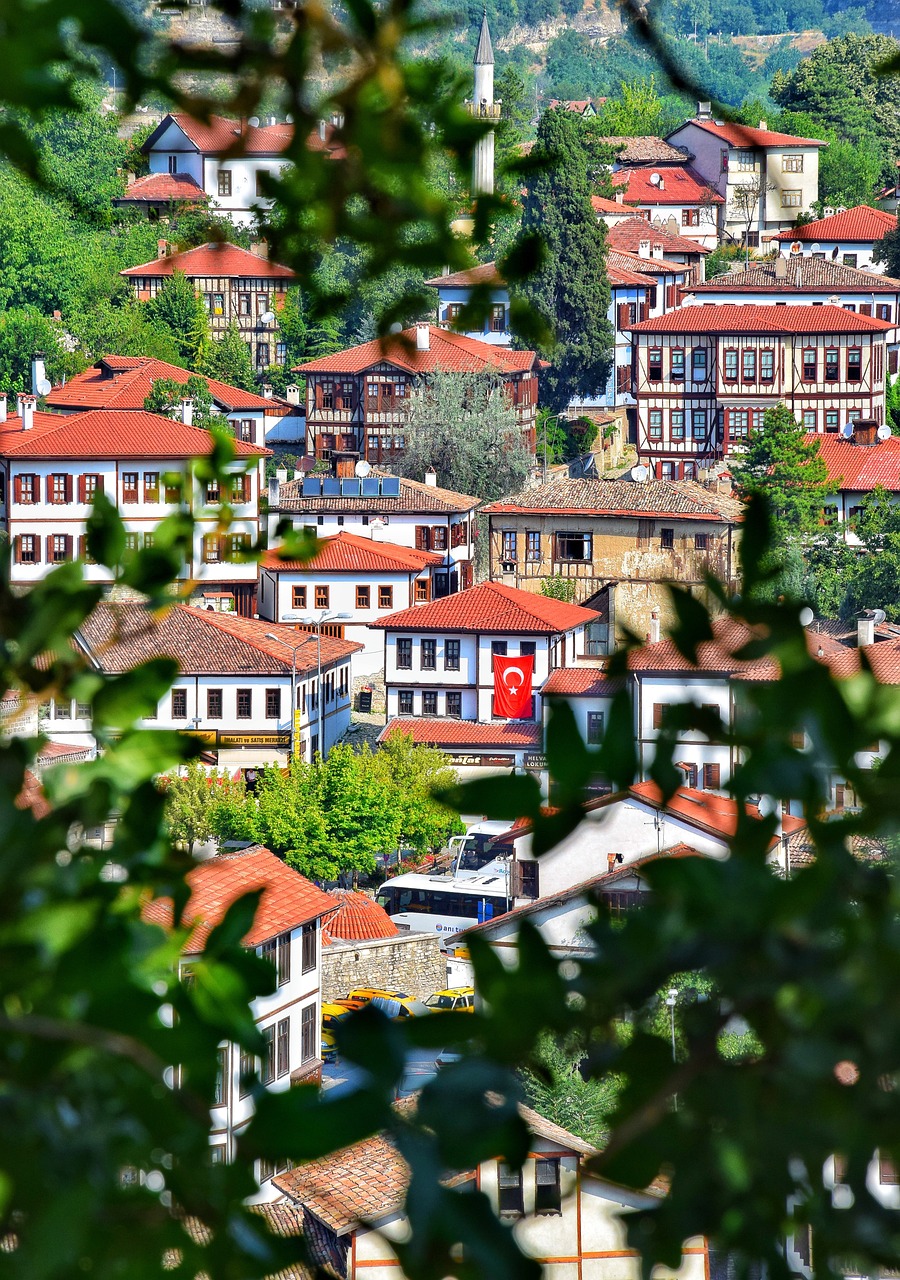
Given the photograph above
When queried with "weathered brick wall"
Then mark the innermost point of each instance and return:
(411, 962)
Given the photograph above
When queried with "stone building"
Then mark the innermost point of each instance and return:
(620, 543)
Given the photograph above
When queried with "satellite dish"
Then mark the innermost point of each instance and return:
(883, 432)
(254, 122)
(267, 317)
(639, 474)
(44, 387)
(806, 616)
(655, 179)
(815, 248)
(396, 327)
(796, 247)
(847, 430)
(362, 468)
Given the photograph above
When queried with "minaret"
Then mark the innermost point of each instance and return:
(483, 106)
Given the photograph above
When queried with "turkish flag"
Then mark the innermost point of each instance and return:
(512, 687)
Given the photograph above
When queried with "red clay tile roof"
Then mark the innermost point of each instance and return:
(120, 635)
(570, 104)
(415, 498)
(742, 135)
(54, 752)
(163, 186)
(600, 204)
(627, 236)
(288, 898)
(350, 553)
(355, 917)
(580, 682)
(704, 809)
(446, 351)
(111, 433)
(761, 317)
(803, 274)
(502, 735)
(713, 656)
(616, 260)
(618, 275)
(213, 260)
(492, 607)
(360, 1183)
(861, 467)
(220, 134)
(684, 499)
(32, 797)
(860, 223)
(487, 273)
(124, 382)
(646, 150)
(679, 184)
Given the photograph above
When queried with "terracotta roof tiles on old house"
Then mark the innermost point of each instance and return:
(213, 259)
(491, 607)
(861, 468)
(288, 898)
(580, 682)
(802, 274)
(677, 184)
(705, 809)
(742, 135)
(349, 553)
(447, 351)
(486, 273)
(861, 223)
(124, 382)
(761, 317)
(617, 260)
(118, 636)
(676, 498)
(153, 187)
(646, 150)
(355, 917)
(111, 433)
(220, 134)
(629, 235)
(501, 735)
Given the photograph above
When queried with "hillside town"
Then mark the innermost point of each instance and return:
(411, 555)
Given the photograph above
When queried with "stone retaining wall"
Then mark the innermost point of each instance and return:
(411, 962)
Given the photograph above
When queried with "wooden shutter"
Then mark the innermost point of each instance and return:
(658, 714)
(17, 488)
(68, 488)
(69, 544)
(624, 315)
(49, 548)
(49, 483)
(671, 296)
(82, 488)
(643, 311)
(711, 774)
(17, 544)
(423, 537)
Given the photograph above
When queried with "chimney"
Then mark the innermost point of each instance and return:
(865, 431)
(26, 406)
(281, 473)
(298, 475)
(762, 125)
(866, 624)
(704, 110)
(423, 337)
(38, 374)
(654, 626)
(3, 408)
(274, 486)
(657, 251)
(322, 130)
(162, 248)
(187, 411)
(292, 393)
(661, 184)
(431, 478)
(267, 390)
(260, 249)
(620, 197)
(644, 249)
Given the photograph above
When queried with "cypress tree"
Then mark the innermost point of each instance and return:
(571, 289)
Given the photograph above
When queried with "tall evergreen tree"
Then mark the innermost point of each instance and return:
(571, 289)
(783, 462)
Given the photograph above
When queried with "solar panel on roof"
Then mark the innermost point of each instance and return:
(312, 488)
(349, 488)
(370, 487)
(390, 487)
(331, 488)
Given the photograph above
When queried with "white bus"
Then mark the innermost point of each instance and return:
(445, 904)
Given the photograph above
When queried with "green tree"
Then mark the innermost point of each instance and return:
(23, 332)
(783, 462)
(887, 250)
(192, 797)
(556, 1089)
(570, 289)
(165, 397)
(178, 308)
(228, 360)
(557, 587)
(463, 426)
(414, 773)
(639, 109)
(361, 816)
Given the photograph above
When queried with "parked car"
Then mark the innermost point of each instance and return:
(393, 1006)
(333, 1014)
(460, 999)
(365, 994)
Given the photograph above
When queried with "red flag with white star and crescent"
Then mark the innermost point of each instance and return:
(512, 687)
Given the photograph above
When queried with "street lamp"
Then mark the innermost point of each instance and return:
(671, 1001)
(294, 648)
(318, 623)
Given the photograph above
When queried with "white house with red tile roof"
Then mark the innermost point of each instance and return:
(231, 159)
(454, 288)
(160, 193)
(704, 376)
(781, 172)
(673, 196)
(393, 510)
(857, 466)
(356, 400)
(439, 666)
(286, 932)
(562, 1215)
(124, 382)
(52, 464)
(237, 681)
(848, 237)
(641, 237)
(351, 575)
(237, 287)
